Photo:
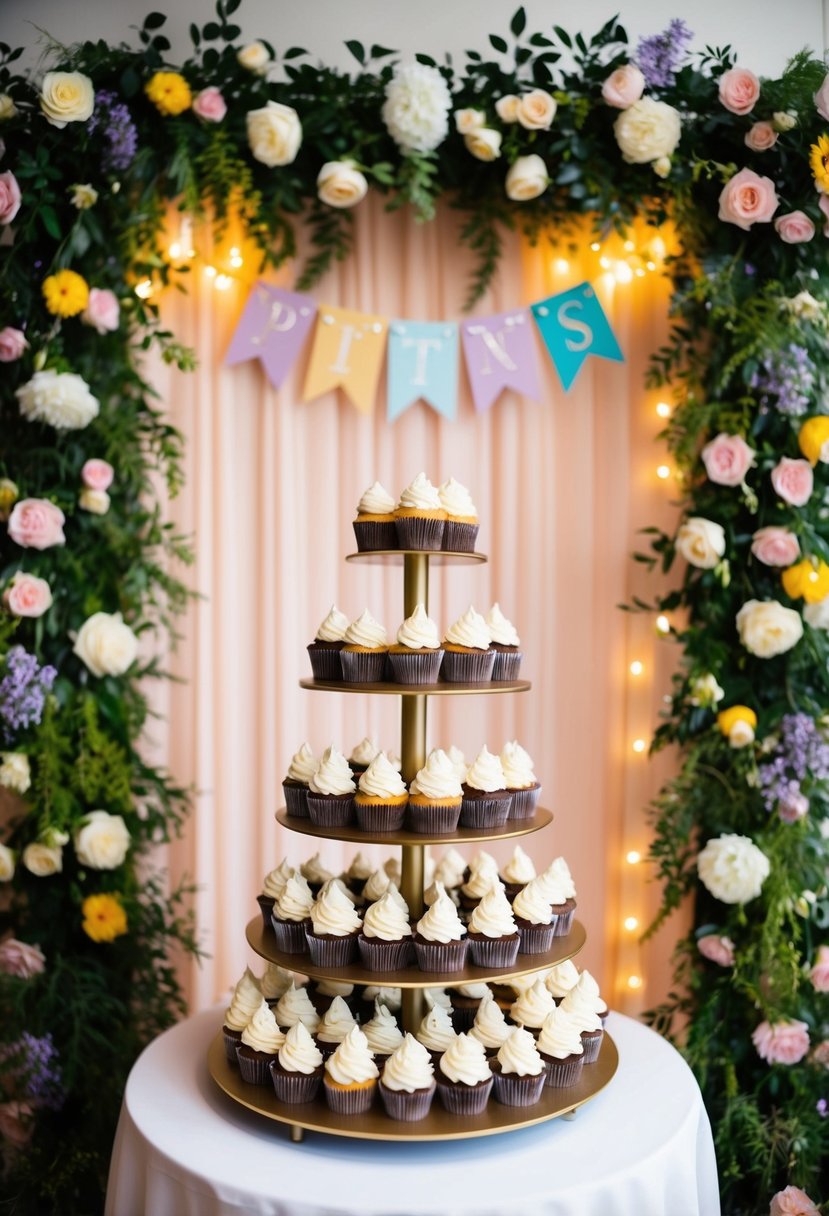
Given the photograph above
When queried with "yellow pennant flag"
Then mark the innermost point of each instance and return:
(348, 354)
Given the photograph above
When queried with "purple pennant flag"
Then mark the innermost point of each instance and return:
(272, 328)
(500, 353)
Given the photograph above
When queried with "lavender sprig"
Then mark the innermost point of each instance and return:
(786, 381)
(801, 753)
(120, 133)
(23, 691)
(32, 1065)
(660, 55)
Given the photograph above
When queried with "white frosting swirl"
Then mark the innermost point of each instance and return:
(486, 773)
(295, 1006)
(262, 1032)
(588, 987)
(333, 775)
(409, 1067)
(376, 501)
(465, 1061)
(475, 992)
(386, 920)
(333, 988)
(436, 1030)
(382, 1032)
(394, 869)
(520, 983)
(333, 912)
(470, 631)
(275, 982)
(365, 631)
(296, 900)
(558, 872)
(419, 631)
(490, 1025)
(456, 499)
(376, 885)
(440, 922)
(503, 631)
(458, 760)
(518, 767)
(392, 998)
(438, 781)
(560, 1036)
(531, 904)
(578, 1005)
(336, 1022)
(274, 883)
(518, 1054)
(394, 894)
(333, 627)
(532, 1006)
(303, 765)
(352, 1062)
(246, 998)
(421, 495)
(553, 887)
(483, 875)
(364, 753)
(314, 871)
(562, 978)
(299, 1052)
(438, 996)
(493, 915)
(360, 868)
(381, 779)
(451, 868)
(396, 761)
(519, 868)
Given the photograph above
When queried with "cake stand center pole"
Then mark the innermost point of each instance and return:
(415, 582)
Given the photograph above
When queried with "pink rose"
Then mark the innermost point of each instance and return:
(9, 197)
(823, 203)
(12, 344)
(792, 1202)
(819, 975)
(624, 86)
(36, 523)
(17, 1123)
(210, 105)
(27, 596)
(775, 546)
(761, 137)
(822, 99)
(793, 481)
(103, 310)
(716, 949)
(98, 475)
(739, 90)
(821, 1054)
(21, 959)
(795, 806)
(781, 1042)
(748, 199)
(794, 228)
(727, 459)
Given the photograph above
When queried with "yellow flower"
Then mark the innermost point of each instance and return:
(103, 917)
(169, 92)
(9, 494)
(738, 724)
(813, 438)
(808, 579)
(66, 293)
(819, 161)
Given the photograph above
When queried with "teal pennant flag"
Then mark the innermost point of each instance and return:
(574, 326)
(423, 363)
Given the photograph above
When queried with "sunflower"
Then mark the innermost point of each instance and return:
(819, 161)
(103, 917)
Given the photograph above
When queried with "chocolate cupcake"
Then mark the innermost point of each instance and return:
(336, 1022)
(467, 658)
(295, 1006)
(561, 1048)
(362, 756)
(518, 1070)
(517, 872)
(440, 940)
(560, 979)
(324, 651)
(464, 1077)
(323, 992)
(260, 1041)
(247, 996)
(521, 781)
(416, 656)
(385, 940)
(295, 785)
(534, 918)
(505, 644)
(359, 871)
(407, 1083)
(315, 873)
(532, 1007)
(275, 983)
(331, 791)
(364, 652)
(335, 925)
(590, 989)
(465, 1001)
(486, 800)
(490, 1026)
(578, 1006)
(382, 797)
(296, 1070)
(461, 528)
(558, 886)
(383, 1033)
(291, 915)
(375, 527)
(451, 867)
(419, 516)
(391, 997)
(436, 1031)
(482, 876)
(350, 1077)
(492, 932)
(272, 887)
(435, 796)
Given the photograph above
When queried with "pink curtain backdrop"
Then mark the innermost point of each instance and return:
(561, 486)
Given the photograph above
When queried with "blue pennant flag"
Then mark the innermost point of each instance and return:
(423, 363)
(573, 326)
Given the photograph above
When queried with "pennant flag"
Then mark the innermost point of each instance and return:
(573, 326)
(347, 353)
(272, 328)
(423, 363)
(500, 353)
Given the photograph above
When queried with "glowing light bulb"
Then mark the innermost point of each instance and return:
(631, 923)
(634, 981)
(604, 262)
(211, 272)
(639, 272)
(144, 289)
(561, 265)
(663, 472)
(175, 250)
(637, 667)
(651, 265)
(663, 409)
(236, 259)
(222, 282)
(633, 857)
(639, 745)
(595, 246)
(663, 625)
(629, 246)
(623, 272)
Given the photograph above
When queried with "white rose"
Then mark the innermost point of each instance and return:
(484, 144)
(60, 398)
(66, 97)
(7, 107)
(817, 615)
(741, 734)
(536, 110)
(95, 501)
(106, 645)
(341, 184)
(255, 58)
(804, 305)
(467, 121)
(506, 107)
(647, 130)
(15, 772)
(42, 860)
(83, 196)
(417, 105)
(102, 840)
(6, 863)
(274, 134)
(766, 628)
(706, 691)
(783, 120)
(732, 868)
(662, 166)
(527, 178)
(701, 542)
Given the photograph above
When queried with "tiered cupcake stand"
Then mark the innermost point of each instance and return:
(438, 1124)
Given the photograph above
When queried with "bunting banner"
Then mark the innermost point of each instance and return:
(272, 328)
(348, 354)
(500, 353)
(573, 326)
(423, 365)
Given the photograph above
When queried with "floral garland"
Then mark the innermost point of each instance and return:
(553, 125)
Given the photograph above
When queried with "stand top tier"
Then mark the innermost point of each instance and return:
(394, 557)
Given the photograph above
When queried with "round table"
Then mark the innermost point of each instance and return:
(642, 1147)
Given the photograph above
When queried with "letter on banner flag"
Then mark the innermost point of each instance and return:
(573, 325)
(423, 362)
(347, 353)
(500, 353)
(272, 328)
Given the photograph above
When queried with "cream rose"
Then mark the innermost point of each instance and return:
(15, 771)
(767, 629)
(66, 97)
(6, 863)
(469, 120)
(255, 58)
(106, 645)
(7, 107)
(96, 502)
(484, 144)
(624, 86)
(733, 869)
(83, 196)
(647, 130)
(506, 107)
(536, 110)
(274, 134)
(102, 841)
(701, 542)
(43, 860)
(341, 184)
(528, 178)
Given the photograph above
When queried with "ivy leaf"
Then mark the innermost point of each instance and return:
(498, 42)
(518, 23)
(154, 21)
(212, 30)
(194, 34)
(294, 52)
(563, 36)
(380, 52)
(231, 6)
(540, 40)
(357, 50)
(50, 222)
(427, 60)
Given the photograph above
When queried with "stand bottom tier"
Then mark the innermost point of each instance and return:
(439, 1124)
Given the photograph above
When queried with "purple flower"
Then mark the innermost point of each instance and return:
(119, 131)
(801, 754)
(660, 55)
(23, 691)
(31, 1063)
(822, 1107)
(786, 380)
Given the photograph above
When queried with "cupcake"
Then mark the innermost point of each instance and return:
(324, 651)
(335, 924)
(382, 1032)
(407, 1083)
(295, 786)
(517, 872)
(436, 1031)
(381, 799)
(336, 1022)
(419, 516)
(362, 756)
(296, 1072)
(458, 761)
(315, 874)
(579, 1008)
(435, 798)
(323, 992)
(492, 932)
(486, 800)
(557, 884)
(562, 1050)
(295, 1006)
(483, 875)
(461, 528)
(357, 875)
(416, 656)
(467, 658)
(331, 791)
(534, 918)
(505, 644)
(392, 998)
(440, 940)
(385, 940)
(364, 652)
(490, 1026)
(291, 914)
(560, 979)
(275, 983)
(463, 1076)
(272, 887)
(464, 1003)
(590, 988)
(521, 781)
(350, 1077)
(374, 527)
(377, 884)
(451, 868)
(246, 999)
(393, 868)
(532, 1007)
(518, 1070)
(439, 997)
(260, 1041)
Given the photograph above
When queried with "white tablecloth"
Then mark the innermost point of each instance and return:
(640, 1148)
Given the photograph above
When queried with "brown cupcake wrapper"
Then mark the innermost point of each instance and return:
(416, 532)
(295, 1087)
(296, 800)
(485, 812)
(524, 803)
(377, 955)
(592, 1044)
(416, 668)
(349, 1101)
(266, 907)
(374, 818)
(563, 923)
(468, 668)
(464, 1099)
(459, 538)
(429, 820)
(290, 935)
(362, 667)
(255, 1071)
(371, 536)
(494, 951)
(232, 1039)
(405, 1107)
(441, 956)
(331, 812)
(331, 951)
(325, 664)
(512, 1090)
(535, 939)
(558, 1074)
(506, 666)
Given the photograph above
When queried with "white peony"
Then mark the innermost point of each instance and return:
(61, 399)
(97, 502)
(6, 863)
(102, 841)
(416, 109)
(341, 184)
(484, 144)
(701, 542)
(732, 868)
(66, 97)
(255, 58)
(817, 615)
(105, 644)
(43, 860)
(15, 771)
(527, 179)
(647, 130)
(706, 691)
(767, 629)
(274, 134)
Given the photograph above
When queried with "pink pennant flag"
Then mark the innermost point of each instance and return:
(272, 328)
(500, 353)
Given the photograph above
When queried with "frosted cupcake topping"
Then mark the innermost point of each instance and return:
(314, 871)
(553, 887)
(360, 868)
(336, 1022)
(503, 631)
(436, 1030)
(246, 999)
(589, 989)
(352, 1063)
(438, 781)
(376, 885)
(303, 765)
(365, 631)
(465, 1061)
(333, 627)
(380, 780)
(579, 1007)
(475, 992)
(520, 983)
(274, 883)
(458, 760)
(441, 923)
(364, 752)
(333, 912)
(493, 915)
(562, 978)
(490, 1026)
(421, 495)
(350, 896)
(295, 1006)
(419, 631)
(296, 900)
(382, 1032)
(451, 867)
(395, 761)
(559, 1036)
(470, 631)
(333, 988)
(409, 1067)
(518, 1054)
(392, 998)
(275, 982)
(386, 920)
(486, 773)
(559, 871)
(262, 1032)
(519, 868)
(395, 895)
(456, 499)
(333, 775)
(532, 1006)
(299, 1052)
(376, 501)
(483, 875)
(518, 766)
(438, 996)
(393, 868)
(532, 904)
